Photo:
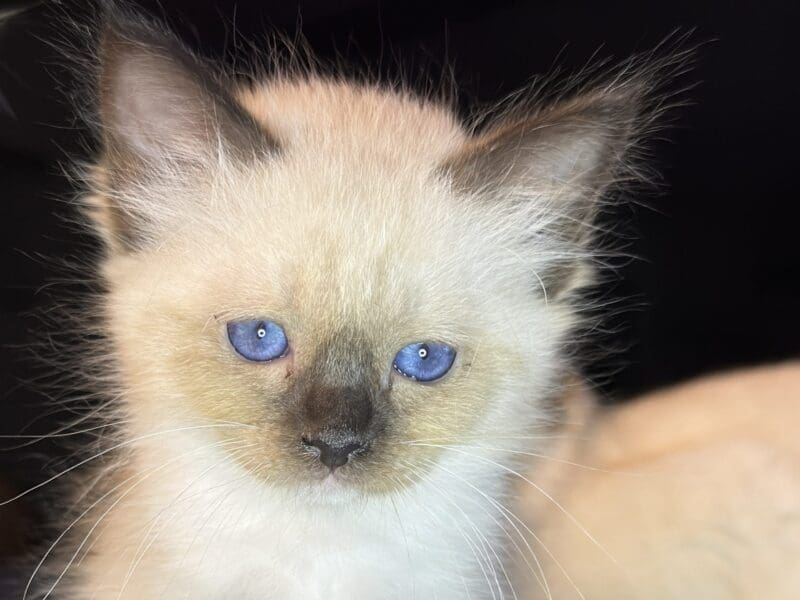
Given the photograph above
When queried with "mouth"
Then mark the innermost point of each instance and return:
(332, 481)
(332, 487)
(323, 476)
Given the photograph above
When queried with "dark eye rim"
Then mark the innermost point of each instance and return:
(259, 320)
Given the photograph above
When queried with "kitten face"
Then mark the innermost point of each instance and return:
(357, 221)
(351, 278)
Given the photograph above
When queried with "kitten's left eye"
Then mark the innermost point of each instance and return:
(424, 361)
(258, 340)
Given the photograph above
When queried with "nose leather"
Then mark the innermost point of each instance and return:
(334, 454)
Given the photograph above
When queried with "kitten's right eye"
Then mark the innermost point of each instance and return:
(258, 340)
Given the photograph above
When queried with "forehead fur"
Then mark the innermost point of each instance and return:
(352, 214)
(358, 122)
(333, 201)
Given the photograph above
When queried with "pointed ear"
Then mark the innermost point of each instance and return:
(157, 102)
(552, 166)
(166, 121)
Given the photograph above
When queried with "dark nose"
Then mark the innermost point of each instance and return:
(335, 451)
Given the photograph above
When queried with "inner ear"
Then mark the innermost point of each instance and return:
(158, 102)
(167, 121)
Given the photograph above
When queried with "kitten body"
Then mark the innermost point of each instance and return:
(686, 492)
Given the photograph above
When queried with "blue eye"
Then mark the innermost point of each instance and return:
(258, 340)
(424, 361)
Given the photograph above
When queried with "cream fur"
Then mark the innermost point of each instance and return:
(689, 492)
(334, 208)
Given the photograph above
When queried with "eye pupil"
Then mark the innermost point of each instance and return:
(423, 352)
(261, 332)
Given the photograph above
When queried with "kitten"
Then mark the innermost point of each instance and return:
(336, 318)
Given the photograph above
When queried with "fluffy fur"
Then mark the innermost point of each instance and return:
(689, 492)
(362, 218)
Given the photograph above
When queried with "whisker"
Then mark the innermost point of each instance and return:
(489, 436)
(563, 510)
(59, 433)
(503, 510)
(436, 520)
(144, 545)
(534, 455)
(510, 514)
(470, 544)
(142, 477)
(106, 451)
(482, 539)
(405, 541)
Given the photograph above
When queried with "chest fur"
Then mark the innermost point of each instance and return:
(232, 537)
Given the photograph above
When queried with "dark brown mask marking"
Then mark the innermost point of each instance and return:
(341, 406)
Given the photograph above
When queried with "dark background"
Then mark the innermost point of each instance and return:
(717, 283)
